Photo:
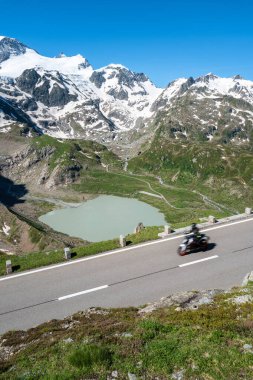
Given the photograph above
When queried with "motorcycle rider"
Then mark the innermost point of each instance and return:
(195, 231)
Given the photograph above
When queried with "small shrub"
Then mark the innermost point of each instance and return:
(89, 355)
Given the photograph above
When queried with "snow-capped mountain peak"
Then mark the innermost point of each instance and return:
(126, 95)
(236, 86)
(65, 97)
(15, 64)
(208, 85)
(207, 107)
(15, 57)
(10, 47)
(68, 95)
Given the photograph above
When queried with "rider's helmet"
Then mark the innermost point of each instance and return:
(194, 225)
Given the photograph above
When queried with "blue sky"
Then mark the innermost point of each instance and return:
(164, 39)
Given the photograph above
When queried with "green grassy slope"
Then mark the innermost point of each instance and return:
(67, 151)
(211, 342)
(222, 172)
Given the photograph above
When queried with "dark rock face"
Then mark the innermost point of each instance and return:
(185, 86)
(84, 65)
(66, 175)
(34, 156)
(140, 77)
(97, 78)
(124, 76)
(39, 87)
(238, 77)
(128, 78)
(239, 89)
(59, 96)
(142, 93)
(206, 78)
(118, 94)
(28, 80)
(29, 104)
(115, 114)
(160, 102)
(41, 93)
(15, 113)
(46, 124)
(10, 46)
(46, 151)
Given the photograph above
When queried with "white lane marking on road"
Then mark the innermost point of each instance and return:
(98, 256)
(121, 250)
(83, 292)
(198, 261)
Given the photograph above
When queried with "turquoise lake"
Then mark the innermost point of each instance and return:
(103, 218)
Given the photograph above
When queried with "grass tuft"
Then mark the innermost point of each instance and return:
(87, 356)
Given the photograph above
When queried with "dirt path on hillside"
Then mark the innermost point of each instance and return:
(206, 199)
(149, 186)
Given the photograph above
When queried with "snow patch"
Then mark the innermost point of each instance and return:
(113, 66)
(6, 229)
(14, 66)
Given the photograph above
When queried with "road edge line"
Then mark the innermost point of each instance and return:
(120, 250)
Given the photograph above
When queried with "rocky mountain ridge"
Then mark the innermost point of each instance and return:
(65, 97)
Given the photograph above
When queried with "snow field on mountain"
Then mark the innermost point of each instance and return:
(70, 99)
(15, 66)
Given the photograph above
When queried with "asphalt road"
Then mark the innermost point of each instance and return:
(132, 276)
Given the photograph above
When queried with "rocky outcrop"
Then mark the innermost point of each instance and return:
(40, 166)
(185, 86)
(119, 94)
(59, 96)
(97, 78)
(50, 90)
(26, 158)
(28, 80)
(16, 114)
(29, 104)
(184, 300)
(10, 47)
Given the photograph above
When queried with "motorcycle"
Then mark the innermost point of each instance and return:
(193, 243)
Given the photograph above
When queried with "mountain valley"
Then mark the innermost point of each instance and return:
(71, 132)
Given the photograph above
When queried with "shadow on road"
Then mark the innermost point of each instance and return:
(11, 193)
(211, 246)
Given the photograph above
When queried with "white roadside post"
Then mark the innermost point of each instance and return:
(122, 241)
(166, 232)
(211, 219)
(167, 229)
(67, 253)
(8, 267)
